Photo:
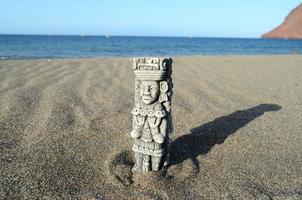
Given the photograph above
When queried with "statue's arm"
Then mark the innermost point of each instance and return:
(163, 127)
(136, 126)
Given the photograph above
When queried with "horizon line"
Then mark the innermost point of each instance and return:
(109, 35)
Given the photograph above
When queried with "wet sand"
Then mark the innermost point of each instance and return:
(65, 129)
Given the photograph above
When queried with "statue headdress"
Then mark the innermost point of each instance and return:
(152, 69)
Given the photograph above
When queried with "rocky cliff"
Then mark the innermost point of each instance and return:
(291, 28)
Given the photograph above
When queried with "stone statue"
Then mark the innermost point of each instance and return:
(152, 120)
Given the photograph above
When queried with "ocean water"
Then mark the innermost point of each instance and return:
(43, 46)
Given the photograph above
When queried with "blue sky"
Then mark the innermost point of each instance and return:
(205, 18)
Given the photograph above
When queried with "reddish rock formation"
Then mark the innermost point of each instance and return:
(291, 28)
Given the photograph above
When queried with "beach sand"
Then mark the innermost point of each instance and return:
(65, 129)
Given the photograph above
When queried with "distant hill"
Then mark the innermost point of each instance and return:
(291, 28)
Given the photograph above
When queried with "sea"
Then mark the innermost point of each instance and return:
(56, 46)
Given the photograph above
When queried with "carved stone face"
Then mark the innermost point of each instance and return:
(149, 92)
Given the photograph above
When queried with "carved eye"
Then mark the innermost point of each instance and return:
(153, 88)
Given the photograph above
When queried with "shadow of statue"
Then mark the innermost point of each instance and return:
(202, 138)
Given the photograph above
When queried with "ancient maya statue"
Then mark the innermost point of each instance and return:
(152, 120)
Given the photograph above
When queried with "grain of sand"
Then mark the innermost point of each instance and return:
(65, 124)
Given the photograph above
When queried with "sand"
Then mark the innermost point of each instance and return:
(65, 129)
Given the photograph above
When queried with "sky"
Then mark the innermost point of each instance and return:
(196, 18)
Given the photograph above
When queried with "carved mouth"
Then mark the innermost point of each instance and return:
(146, 98)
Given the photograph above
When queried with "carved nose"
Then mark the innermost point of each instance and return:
(147, 91)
